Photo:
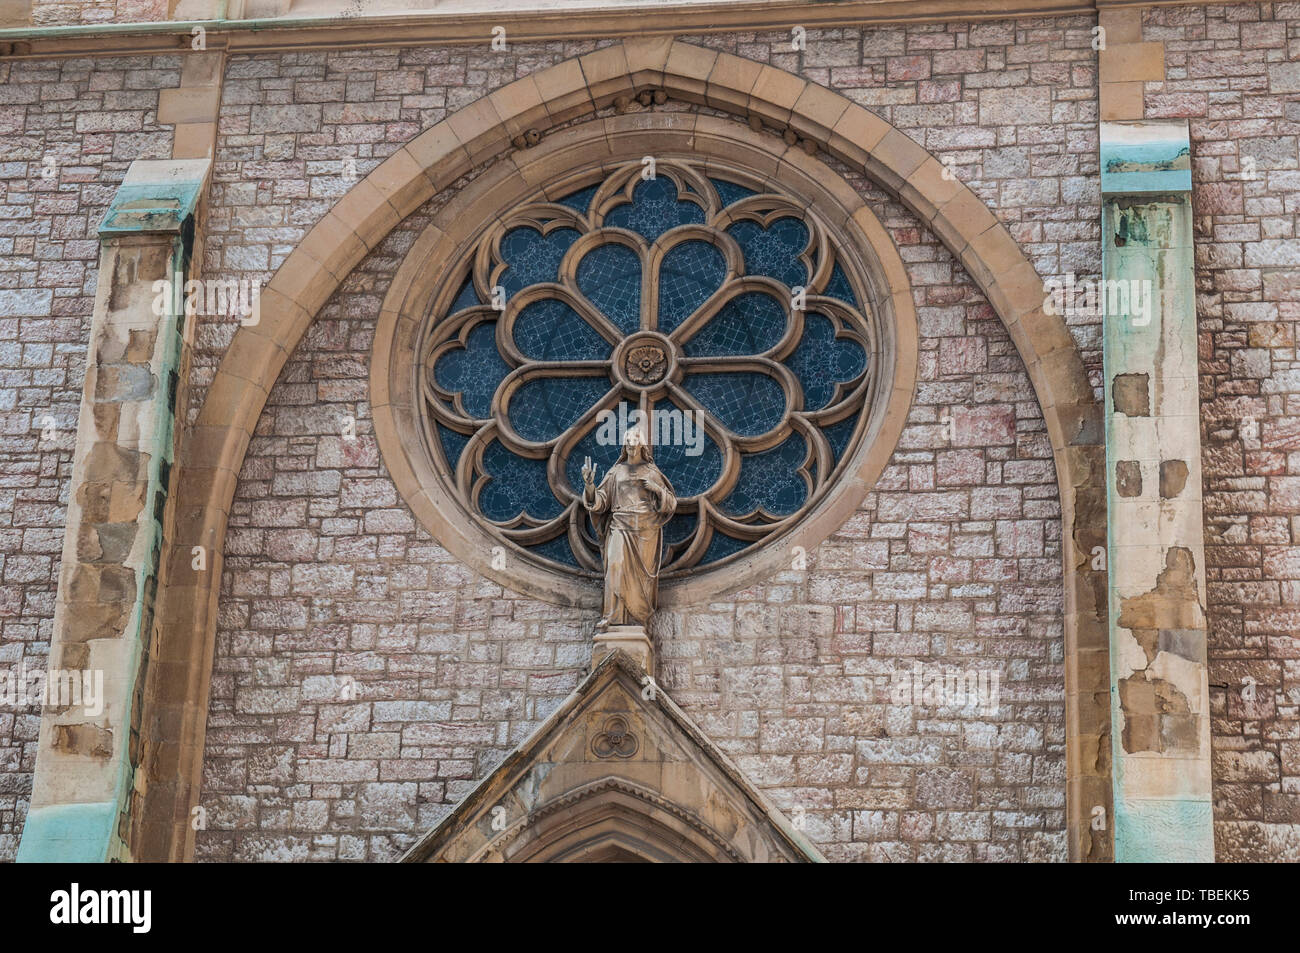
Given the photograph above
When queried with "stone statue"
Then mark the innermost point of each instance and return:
(629, 509)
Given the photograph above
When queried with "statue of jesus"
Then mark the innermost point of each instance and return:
(629, 509)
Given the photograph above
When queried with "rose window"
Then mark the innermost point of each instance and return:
(716, 314)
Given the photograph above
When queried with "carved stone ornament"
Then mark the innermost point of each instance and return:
(616, 740)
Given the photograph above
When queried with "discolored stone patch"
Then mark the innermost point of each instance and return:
(1128, 478)
(1157, 716)
(83, 739)
(1131, 394)
(1173, 477)
(1172, 606)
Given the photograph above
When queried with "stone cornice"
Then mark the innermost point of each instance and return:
(436, 29)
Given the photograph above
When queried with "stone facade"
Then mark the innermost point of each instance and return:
(85, 121)
(1232, 72)
(954, 560)
(364, 680)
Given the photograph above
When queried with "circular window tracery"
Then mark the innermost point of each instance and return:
(721, 310)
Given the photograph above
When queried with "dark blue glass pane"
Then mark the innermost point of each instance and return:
(730, 192)
(610, 277)
(820, 361)
(654, 209)
(748, 324)
(474, 370)
(688, 275)
(549, 330)
(839, 435)
(545, 407)
(687, 455)
(839, 287)
(557, 550)
(680, 528)
(722, 546)
(578, 201)
(773, 251)
(770, 480)
(453, 445)
(467, 297)
(517, 485)
(748, 403)
(532, 257)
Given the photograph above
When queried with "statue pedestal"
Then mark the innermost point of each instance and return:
(632, 639)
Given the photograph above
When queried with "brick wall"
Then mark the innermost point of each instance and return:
(1234, 72)
(328, 577)
(83, 121)
(45, 13)
(955, 558)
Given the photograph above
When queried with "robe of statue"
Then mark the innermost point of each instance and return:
(630, 508)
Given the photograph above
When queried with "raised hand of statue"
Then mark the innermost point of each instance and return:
(588, 472)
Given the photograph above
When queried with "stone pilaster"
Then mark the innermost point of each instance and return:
(1159, 682)
(114, 528)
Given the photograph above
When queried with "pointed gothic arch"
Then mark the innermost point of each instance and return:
(176, 694)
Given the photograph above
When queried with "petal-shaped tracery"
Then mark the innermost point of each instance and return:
(673, 296)
(774, 251)
(688, 276)
(550, 330)
(530, 257)
(745, 402)
(750, 323)
(543, 408)
(656, 206)
(822, 361)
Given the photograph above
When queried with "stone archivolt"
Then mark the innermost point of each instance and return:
(212, 455)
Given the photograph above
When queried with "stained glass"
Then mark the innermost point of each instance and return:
(839, 287)
(748, 324)
(550, 330)
(773, 251)
(532, 257)
(510, 488)
(610, 277)
(722, 546)
(688, 456)
(655, 208)
(466, 297)
(556, 549)
(688, 275)
(770, 480)
(746, 402)
(731, 193)
(453, 444)
(580, 200)
(545, 407)
(820, 361)
(475, 370)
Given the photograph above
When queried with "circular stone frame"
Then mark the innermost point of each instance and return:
(552, 168)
